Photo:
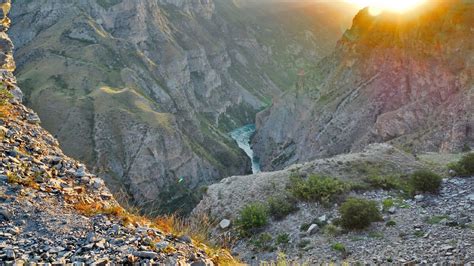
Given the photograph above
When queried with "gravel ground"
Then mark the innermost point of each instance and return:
(428, 229)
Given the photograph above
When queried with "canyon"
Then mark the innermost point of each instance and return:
(146, 92)
(193, 116)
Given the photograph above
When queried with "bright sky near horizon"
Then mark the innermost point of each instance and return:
(377, 6)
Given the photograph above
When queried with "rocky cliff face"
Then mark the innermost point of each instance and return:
(146, 91)
(402, 79)
(52, 209)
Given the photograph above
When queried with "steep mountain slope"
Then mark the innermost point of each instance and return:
(404, 79)
(53, 210)
(145, 92)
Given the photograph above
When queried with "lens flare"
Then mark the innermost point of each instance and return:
(378, 6)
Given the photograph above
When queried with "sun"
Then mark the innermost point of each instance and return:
(378, 6)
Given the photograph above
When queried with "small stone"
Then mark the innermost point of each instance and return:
(115, 229)
(146, 254)
(202, 263)
(106, 196)
(323, 218)
(90, 238)
(13, 230)
(97, 183)
(80, 172)
(392, 210)
(5, 215)
(10, 254)
(162, 245)
(33, 118)
(224, 224)
(100, 262)
(12, 153)
(312, 229)
(100, 244)
(186, 239)
(446, 248)
(56, 249)
(470, 197)
(419, 197)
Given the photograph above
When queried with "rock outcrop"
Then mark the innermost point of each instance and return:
(404, 79)
(145, 92)
(53, 210)
(226, 198)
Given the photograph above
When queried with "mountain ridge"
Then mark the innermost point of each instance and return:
(384, 83)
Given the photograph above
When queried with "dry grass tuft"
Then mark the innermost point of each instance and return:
(14, 178)
(198, 229)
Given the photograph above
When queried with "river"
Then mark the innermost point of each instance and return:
(242, 136)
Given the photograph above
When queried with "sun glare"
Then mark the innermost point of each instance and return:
(378, 6)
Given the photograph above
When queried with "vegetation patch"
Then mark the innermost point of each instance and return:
(283, 239)
(375, 234)
(304, 243)
(281, 206)
(425, 181)
(316, 188)
(197, 229)
(332, 230)
(28, 181)
(264, 242)
(391, 223)
(419, 233)
(252, 217)
(5, 95)
(465, 167)
(387, 204)
(436, 219)
(339, 247)
(385, 182)
(359, 213)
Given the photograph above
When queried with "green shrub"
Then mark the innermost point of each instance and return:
(303, 243)
(419, 233)
(316, 188)
(467, 165)
(331, 230)
(264, 242)
(252, 216)
(457, 168)
(387, 204)
(283, 239)
(425, 181)
(280, 207)
(466, 148)
(358, 213)
(339, 247)
(391, 223)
